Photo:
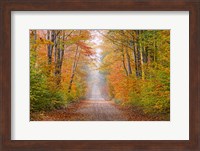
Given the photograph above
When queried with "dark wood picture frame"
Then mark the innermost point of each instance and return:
(193, 6)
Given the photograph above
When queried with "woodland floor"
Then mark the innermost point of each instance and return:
(88, 110)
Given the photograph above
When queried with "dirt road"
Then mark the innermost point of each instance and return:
(94, 110)
(100, 111)
(86, 110)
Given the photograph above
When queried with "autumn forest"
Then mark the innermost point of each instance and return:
(99, 75)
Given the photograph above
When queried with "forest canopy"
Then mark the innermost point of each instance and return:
(137, 67)
(134, 67)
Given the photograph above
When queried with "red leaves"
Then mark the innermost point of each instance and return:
(86, 50)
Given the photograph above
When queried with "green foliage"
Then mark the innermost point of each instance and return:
(45, 96)
(50, 89)
(154, 92)
(151, 91)
(152, 95)
(41, 96)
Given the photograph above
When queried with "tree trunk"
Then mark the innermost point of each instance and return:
(141, 62)
(73, 69)
(128, 62)
(34, 45)
(145, 55)
(155, 49)
(76, 59)
(123, 62)
(51, 37)
(59, 53)
(137, 55)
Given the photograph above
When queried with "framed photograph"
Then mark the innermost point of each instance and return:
(94, 75)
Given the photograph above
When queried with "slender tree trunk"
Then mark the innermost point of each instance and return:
(148, 56)
(51, 37)
(141, 62)
(135, 58)
(137, 54)
(123, 62)
(74, 68)
(34, 47)
(76, 59)
(63, 48)
(55, 47)
(59, 58)
(49, 46)
(155, 49)
(145, 55)
(128, 62)
(125, 48)
(35, 35)
(34, 32)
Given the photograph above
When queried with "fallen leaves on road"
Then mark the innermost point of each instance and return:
(95, 111)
